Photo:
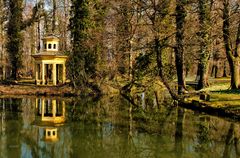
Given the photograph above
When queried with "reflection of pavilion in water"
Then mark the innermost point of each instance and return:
(50, 134)
(50, 114)
(49, 110)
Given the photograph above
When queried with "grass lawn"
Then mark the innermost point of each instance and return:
(221, 95)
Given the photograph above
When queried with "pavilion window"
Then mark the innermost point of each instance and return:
(54, 46)
(49, 46)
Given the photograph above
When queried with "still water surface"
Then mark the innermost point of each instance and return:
(111, 127)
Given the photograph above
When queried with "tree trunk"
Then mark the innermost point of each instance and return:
(179, 57)
(203, 76)
(224, 69)
(65, 25)
(232, 55)
(234, 67)
(204, 20)
(214, 71)
(54, 16)
(2, 35)
(39, 36)
(158, 51)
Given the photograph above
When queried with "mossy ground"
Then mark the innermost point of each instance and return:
(221, 96)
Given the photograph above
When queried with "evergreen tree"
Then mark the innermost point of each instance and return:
(14, 45)
(81, 60)
(15, 26)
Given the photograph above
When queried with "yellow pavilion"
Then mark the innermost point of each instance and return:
(50, 63)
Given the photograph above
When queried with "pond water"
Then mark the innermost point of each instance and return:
(111, 127)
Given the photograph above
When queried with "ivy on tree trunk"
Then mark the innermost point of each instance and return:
(81, 61)
(204, 20)
(179, 49)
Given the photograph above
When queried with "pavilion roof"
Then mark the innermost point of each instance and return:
(49, 55)
(56, 53)
(50, 36)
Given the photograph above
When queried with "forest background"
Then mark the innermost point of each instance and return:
(126, 43)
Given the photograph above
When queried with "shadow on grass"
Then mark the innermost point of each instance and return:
(227, 91)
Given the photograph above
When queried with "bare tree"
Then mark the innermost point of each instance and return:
(232, 52)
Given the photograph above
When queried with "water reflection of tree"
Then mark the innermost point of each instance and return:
(31, 144)
(231, 143)
(237, 146)
(109, 125)
(130, 140)
(165, 116)
(204, 141)
(179, 133)
(93, 117)
(83, 109)
(11, 122)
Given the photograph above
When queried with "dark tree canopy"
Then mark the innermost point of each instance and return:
(14, 33)
(81, 62)
(14, 45)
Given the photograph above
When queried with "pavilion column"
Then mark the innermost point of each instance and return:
(54, 74)
(36, 73)
(63, 108)
(54, 110)
(43, 73)
(43, 107)
(64, 74)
